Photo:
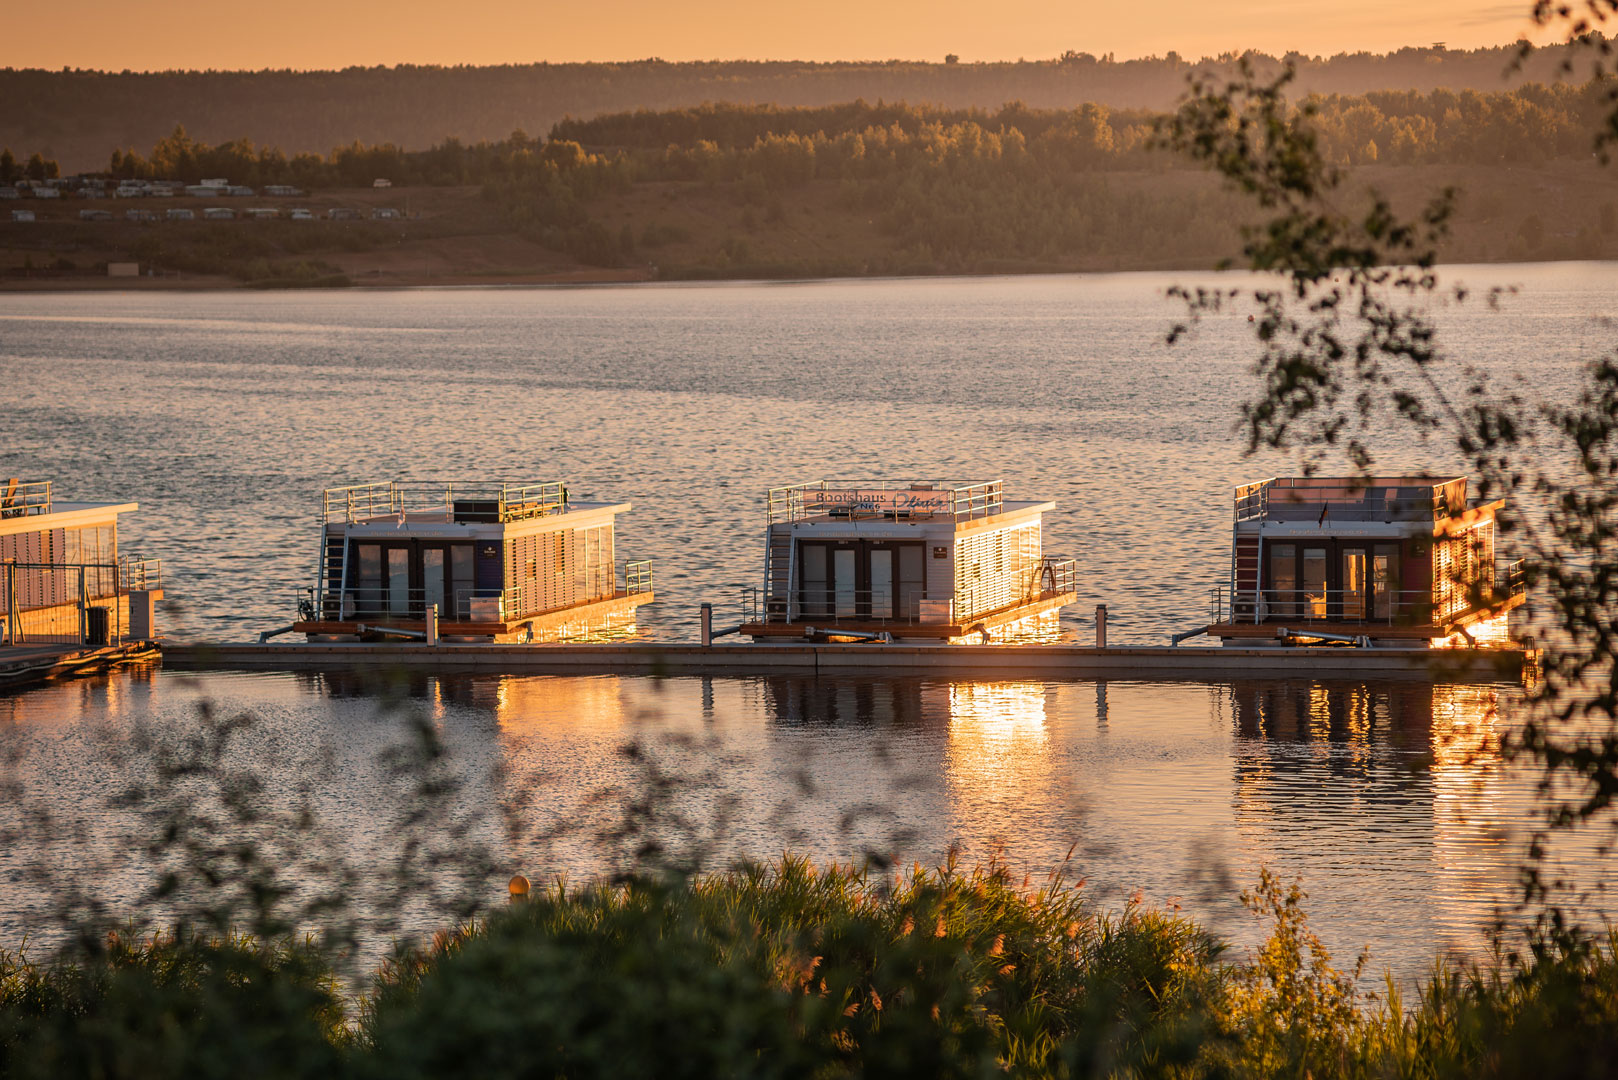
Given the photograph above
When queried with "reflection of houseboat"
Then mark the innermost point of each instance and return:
(1398, 560)
(62, 578)
(491, 561)
(924, 560)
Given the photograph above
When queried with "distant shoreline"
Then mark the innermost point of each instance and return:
(597, 277)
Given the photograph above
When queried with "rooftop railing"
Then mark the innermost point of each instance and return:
(19, 499)
(478, 501)
(1311, 498)
(873, 500)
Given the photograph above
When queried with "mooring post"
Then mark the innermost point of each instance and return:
(707, 625)
(431, 624)
(1101, 626)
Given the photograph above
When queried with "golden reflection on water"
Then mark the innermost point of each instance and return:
(591, 630)
(1492, 633)
(998, 765)
(1042, 629)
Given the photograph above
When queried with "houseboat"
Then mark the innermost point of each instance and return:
(63, 578)
(480, 561)
(923, 561)
(1399, 560)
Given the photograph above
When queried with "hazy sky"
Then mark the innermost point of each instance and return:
(153, 34)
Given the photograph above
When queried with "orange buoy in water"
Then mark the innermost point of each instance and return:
(518, 887)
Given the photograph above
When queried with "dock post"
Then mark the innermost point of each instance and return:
(431, 624)
(1101, 626)
(707, 625)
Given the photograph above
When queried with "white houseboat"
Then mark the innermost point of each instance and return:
(924, 561)
(63, 578)
(481, 561)
(1397, 560)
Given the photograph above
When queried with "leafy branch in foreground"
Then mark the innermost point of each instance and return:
(1347, 340)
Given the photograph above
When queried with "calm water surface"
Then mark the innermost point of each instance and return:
(223, 415)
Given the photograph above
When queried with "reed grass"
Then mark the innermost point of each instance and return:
(796, 970)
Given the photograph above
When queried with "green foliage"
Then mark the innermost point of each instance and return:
(792, 971)
(193, 1006)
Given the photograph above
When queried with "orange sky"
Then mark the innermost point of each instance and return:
(156, 34)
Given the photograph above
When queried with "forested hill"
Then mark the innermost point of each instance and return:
(74, 116)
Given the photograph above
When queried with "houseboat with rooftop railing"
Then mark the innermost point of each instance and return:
(481, 561)
(922, 561)
(64, 579)
(1397, 560)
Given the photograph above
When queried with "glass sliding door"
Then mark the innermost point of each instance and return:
(912, 580)
(881, 578)
(365, 586)
(461, 580)
(1314, 582)
(1354, 584)
(432, 580)
(1385, 582)
(814, 598)
(1284, 581)
(845, 597)
(398, 581)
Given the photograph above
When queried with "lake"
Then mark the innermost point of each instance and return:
(224, 414)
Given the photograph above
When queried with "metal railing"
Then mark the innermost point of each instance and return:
(638, 576)
(19, 499)
(1048, 578)
(56, 603)
(138, 573)
(462, 604)
(478, 501)
(1510, 578)
(1295, 498)
(883, 500)
(1404, 606)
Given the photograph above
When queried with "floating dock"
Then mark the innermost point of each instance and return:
(973, 661)
(25, 665)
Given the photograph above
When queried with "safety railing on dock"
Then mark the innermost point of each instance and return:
(19, 499)
(1383, 607)
(479, 501)
(517, 602)
(1047, 579)
(138, 573)
(872, 500)
(638, 576)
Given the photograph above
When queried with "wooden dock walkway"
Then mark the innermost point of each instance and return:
(966, 661)
(24, 665)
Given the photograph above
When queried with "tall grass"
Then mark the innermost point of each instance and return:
(797, 970)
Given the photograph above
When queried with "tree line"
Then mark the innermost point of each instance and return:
(860, 140)
(74, 116)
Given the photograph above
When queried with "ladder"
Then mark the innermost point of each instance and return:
(1245, 554)
(332, 564)
(779, 559)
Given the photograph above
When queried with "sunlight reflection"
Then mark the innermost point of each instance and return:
(999, 761)
(1492, 633)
